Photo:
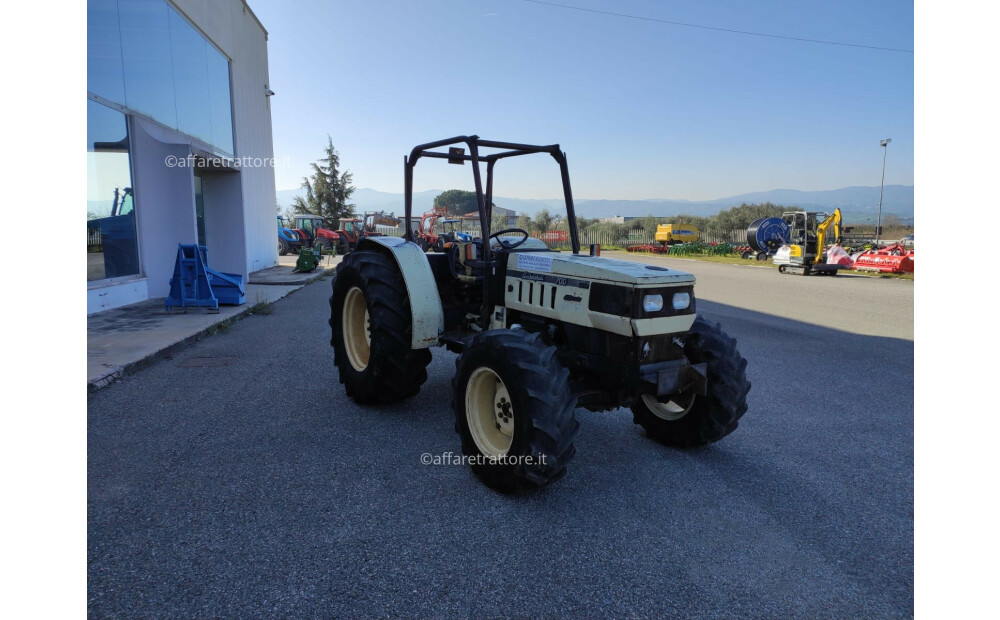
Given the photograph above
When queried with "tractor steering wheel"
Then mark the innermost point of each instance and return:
(510, 246)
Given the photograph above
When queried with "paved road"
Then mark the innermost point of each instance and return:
(236, 480)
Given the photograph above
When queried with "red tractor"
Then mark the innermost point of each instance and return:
(426, 238)
(311, 227)
(349, 230)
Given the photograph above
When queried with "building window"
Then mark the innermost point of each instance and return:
(145, 56)
(111, 240)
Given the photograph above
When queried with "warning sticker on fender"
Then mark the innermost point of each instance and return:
(534, 262)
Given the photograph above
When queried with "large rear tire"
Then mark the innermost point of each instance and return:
(514, 410)
(371, 330)
(698, 420)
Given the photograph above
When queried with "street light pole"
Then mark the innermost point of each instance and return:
(878, 224)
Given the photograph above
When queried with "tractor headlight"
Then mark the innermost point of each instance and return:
(653, 303)
(681, 300)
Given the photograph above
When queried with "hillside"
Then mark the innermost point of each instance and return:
(858, 204)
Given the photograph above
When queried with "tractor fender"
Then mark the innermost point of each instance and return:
(425, 303)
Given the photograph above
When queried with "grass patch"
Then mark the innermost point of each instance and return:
(731, 259)
(220, 328)
(261, 307)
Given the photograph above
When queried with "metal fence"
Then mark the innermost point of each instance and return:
(93, 237)
(627, 238)
(606, 238)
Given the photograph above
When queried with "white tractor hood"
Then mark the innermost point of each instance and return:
(596, 268)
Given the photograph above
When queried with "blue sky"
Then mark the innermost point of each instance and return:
(643, 109)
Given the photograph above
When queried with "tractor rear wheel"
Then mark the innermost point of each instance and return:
(697, 420)
(514, 410)
(371, 330)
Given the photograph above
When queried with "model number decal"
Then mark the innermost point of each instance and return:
(557, 280)
(535, 263)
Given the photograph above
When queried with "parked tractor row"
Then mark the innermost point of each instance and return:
(309, 232)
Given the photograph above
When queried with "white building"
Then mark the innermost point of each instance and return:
(179, 146)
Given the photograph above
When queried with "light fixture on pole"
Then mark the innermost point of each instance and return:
(878, 224)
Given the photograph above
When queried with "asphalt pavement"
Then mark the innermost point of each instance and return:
(236, 480)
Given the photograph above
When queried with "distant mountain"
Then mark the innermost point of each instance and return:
(857, 203)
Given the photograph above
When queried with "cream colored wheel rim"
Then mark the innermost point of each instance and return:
(489, 412)
(671, 410)
(357, 326)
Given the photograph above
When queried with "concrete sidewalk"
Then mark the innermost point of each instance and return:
(124, 340)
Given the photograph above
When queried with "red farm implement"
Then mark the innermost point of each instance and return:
(895, 258)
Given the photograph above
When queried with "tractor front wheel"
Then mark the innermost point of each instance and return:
(371, 331)
(283, 248)
(514, 410)
(696, 420)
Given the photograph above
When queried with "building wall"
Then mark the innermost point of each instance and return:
(224, 222)
(165, 197)
(234, 29)
(239, 202)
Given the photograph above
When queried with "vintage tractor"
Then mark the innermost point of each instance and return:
(539, 334)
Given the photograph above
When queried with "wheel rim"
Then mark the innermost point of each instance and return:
(357, 329)
(671, 410)
(489, 412)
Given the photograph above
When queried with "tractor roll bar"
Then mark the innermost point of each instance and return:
(485, 198)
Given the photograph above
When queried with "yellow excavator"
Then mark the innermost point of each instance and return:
(809, 232)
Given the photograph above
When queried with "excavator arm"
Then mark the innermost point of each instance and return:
(821, 233)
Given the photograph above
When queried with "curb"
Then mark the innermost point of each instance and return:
(119, 372)
(318, 273)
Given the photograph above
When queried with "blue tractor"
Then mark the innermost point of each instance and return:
(452, 234)
(290, 240)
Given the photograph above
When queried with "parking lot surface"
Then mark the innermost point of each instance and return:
(237, 480)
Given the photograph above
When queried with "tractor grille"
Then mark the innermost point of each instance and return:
(539, 294)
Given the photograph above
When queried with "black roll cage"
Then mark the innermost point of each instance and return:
(485, 199)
